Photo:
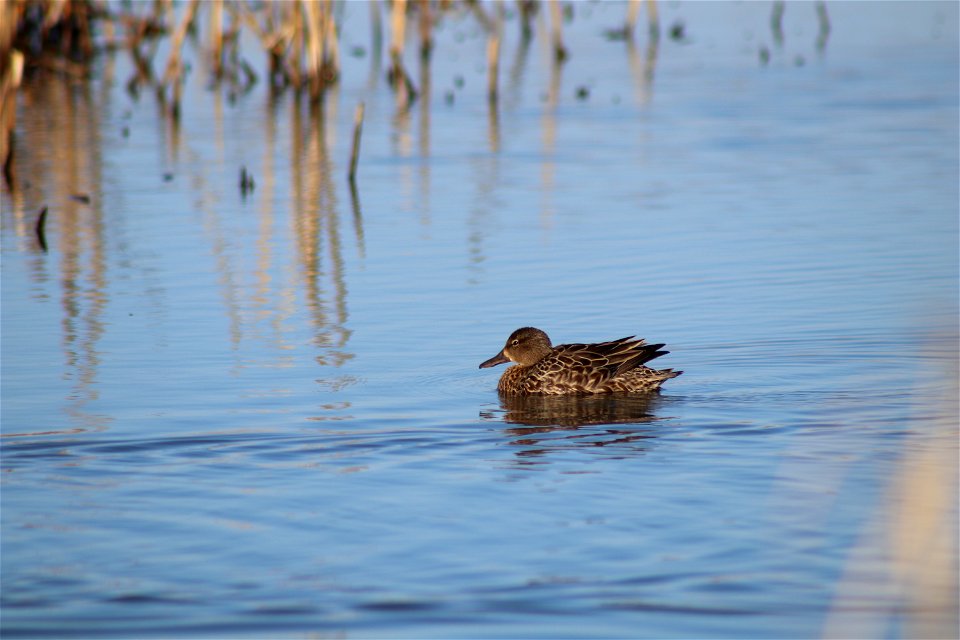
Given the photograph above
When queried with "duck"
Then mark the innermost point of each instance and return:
(617, 366)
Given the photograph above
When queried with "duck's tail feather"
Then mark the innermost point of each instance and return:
(644, 353)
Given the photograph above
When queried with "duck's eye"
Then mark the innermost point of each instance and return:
(515, 343)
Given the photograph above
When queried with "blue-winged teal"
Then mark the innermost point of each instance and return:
(604, 367)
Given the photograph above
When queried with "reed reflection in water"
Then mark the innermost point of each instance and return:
(103, 242)
(209, 331)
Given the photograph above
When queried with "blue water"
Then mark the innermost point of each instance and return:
(262, 416)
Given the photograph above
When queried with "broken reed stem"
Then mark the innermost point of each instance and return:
(355, 147)
(174, 68)
(633, 11)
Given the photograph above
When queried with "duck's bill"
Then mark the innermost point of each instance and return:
(494, 361)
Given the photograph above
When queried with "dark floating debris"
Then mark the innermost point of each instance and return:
(41, 232)
(764, 56)
(167, 177)
(677, 31)
(247, 185)
(81, 197)
(583, 93)
(125, 132)
(618, 34)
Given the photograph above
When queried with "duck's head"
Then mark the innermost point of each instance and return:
(525, 346)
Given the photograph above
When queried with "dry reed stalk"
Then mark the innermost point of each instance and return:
(355, 146)
(653, 19)
(633, 12)
(485, 21)
(313, 22)
(215, 30)
(556, 31)
(11, 73)
(293, 30)
(493, 52)
(173, 74)
(527, 10)
(426, 26)
(174, 68)
(10, 77)
(398, 75)
(331, 52)
(10, 13)
(398, 22)
(273, 43)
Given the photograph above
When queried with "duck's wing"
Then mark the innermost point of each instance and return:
(588, 367)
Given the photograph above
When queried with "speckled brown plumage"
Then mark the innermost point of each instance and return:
(604, 367)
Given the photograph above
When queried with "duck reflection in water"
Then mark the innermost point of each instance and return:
(541, 424)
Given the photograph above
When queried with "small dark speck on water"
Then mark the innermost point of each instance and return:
(125, 132)
(80, 197)
(358, 51)
(167, 177)
(458, 82)
(764, 56)
(448, 97)
(583, 93)
(677, 31)
(246, 182)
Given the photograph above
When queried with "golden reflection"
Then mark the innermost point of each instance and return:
(423, 168)
(578, 410)
(357, 220)
(548, 423)
(316, 218)
(548, 168)
(515, 75)
(493, 126)
(906, 556)
(68, 121)
(642, 68)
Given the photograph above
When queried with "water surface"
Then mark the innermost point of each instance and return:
(262, 415)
